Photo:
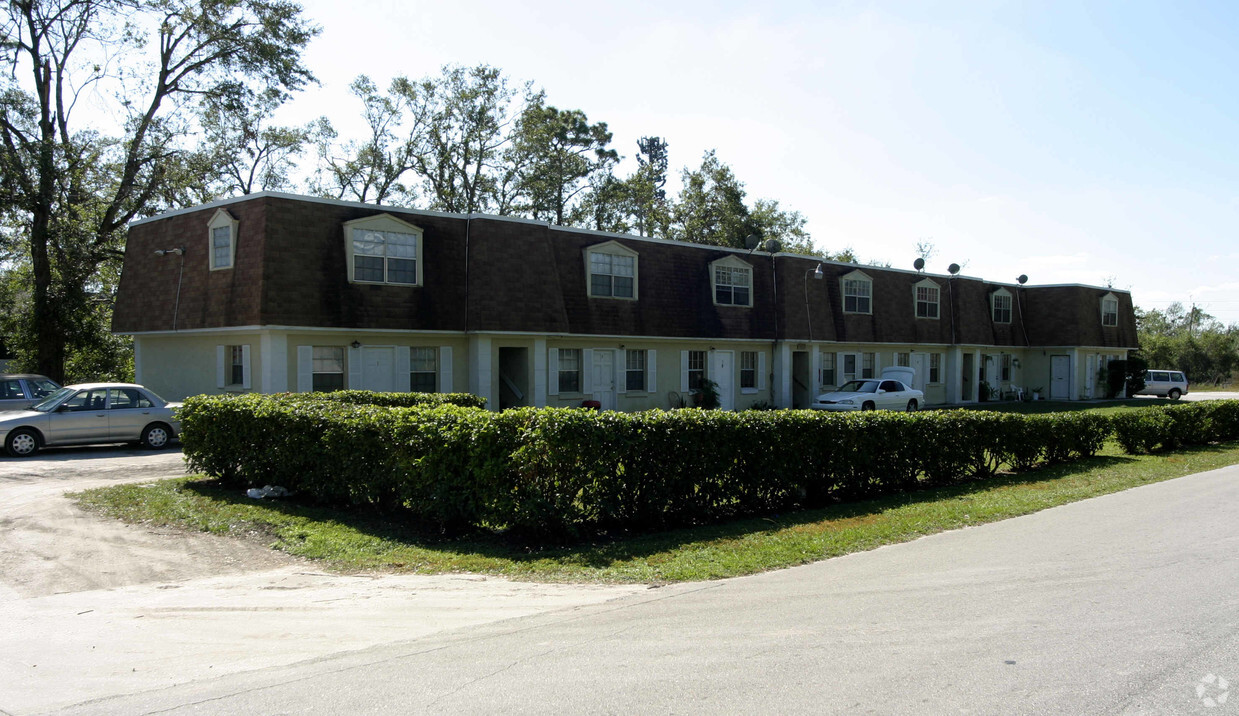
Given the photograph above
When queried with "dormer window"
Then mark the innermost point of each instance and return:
(857, 293)
(221, 240)
(1109, 310)
(732, 282)
(383, 249)
(925, 294)
(1000, 306)
(612, 271)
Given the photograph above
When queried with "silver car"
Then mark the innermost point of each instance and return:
(22, 390)
(90, 413)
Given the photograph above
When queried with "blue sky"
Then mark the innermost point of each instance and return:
(1073, 142)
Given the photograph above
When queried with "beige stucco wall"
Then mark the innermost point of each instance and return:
(344, 338)
(668, 378)
(176, 367)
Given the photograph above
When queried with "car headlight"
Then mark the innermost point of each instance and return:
(849, 401)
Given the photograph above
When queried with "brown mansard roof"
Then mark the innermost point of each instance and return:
(525, 276)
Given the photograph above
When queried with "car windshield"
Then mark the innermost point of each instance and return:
(49, 403)
(859, 386)
(42, 387)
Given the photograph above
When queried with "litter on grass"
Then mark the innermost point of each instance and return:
(267, 491)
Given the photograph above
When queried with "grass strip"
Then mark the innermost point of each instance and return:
(351, 542)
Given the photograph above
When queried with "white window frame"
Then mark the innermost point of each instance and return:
(641, 358)
(560, 371)
(433, 352)
(613, 249)
(868, 362)
(994, 308)
(702, 368)
(827, 357)
(384, 223)
(729, 266)
(903, 360)
(221, 219)
(752, 370)
(935, 368)
(227, 358)
(1113, 300)
(857, 279)
(931, 301)
(343, 373)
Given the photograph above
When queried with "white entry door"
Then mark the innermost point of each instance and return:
(378, 368)
(920, 367)
(722, 372)
(1060, 377)
(604, 378)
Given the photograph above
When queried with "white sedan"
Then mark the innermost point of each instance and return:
(871, 394)
(90, 413)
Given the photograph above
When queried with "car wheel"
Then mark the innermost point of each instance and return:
(912, 406)
(156, 436)
(22, 442)
(868, 405)
(1173, 394)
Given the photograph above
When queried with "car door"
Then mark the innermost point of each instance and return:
(11, 395)
(80, 419)
(128, 412)
(891, 397)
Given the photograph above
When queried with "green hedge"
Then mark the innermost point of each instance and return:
(1169, 427)
(556, 473)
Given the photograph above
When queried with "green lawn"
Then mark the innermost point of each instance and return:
(349, 542)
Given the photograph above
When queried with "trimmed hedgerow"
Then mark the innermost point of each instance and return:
(555, 473)
(1173, 426)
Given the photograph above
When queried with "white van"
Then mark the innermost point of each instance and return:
(1165, 383)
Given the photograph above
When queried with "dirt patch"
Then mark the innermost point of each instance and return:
(49, 546)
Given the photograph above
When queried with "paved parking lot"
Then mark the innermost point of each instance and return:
(92, 608)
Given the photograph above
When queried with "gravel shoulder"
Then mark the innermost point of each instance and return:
(128, 608)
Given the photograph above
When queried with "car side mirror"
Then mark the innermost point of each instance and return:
(64, 408)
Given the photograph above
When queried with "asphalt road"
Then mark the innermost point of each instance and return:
(1127, 603)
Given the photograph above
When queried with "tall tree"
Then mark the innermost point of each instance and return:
(68, 191)
(559, 150)
(461, 121)
(647, 188)
(788, 227)
(372, 169)
(606, 206)
(248, 154)
(711, 208)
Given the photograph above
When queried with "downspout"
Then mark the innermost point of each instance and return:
(774, 344)
(468, 223)
(950, 288)
(176, 307)
(1019, 297)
